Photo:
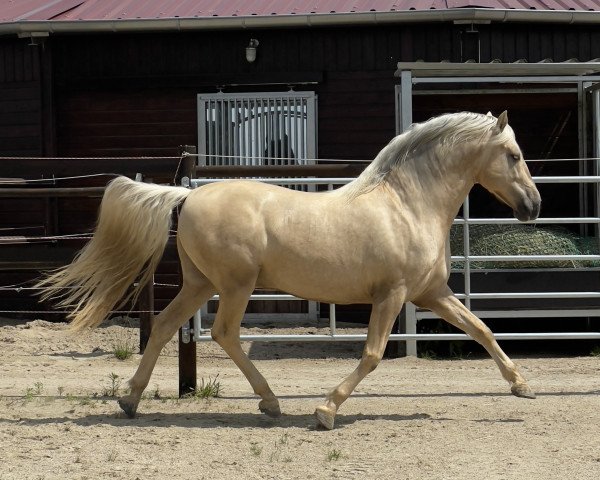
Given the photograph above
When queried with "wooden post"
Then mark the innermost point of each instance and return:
(187, 351)
(187, 365)
(397, 349)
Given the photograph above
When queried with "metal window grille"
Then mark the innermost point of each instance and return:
(277, 128)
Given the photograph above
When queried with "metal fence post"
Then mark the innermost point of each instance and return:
(411, 329)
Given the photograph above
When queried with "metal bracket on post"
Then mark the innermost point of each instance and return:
(186, 332)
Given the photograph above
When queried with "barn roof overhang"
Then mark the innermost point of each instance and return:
(457, 15)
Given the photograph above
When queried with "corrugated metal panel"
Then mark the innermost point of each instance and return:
(138, 9)
(35, 9)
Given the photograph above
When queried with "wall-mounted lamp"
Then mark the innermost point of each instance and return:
(35, 38)
(251, 50)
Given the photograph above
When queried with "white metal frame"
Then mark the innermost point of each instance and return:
(411, 336)
(517, 74)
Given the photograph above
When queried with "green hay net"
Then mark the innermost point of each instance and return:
(523, 240)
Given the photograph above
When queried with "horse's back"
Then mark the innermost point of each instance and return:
(316, 245)
(236, 225)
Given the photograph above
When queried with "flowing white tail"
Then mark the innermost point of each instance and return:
(131, 234)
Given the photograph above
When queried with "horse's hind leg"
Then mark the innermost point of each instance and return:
(196, 291)
(226, 332)
(454, 312)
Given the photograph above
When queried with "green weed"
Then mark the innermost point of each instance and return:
(123, 349)
(207, 389)
(255, 449)
(115, 384)
(334, 455)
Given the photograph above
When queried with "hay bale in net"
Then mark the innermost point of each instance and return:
(520, 240)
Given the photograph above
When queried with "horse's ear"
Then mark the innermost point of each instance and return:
(502, 121)
(489, 114)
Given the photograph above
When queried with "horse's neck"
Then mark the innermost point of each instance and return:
(433, 189)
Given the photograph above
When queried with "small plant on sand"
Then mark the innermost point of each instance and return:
(595, 351)
(36, 390)
(333, 455)
(115, 383)
(429, 355)
(29, 393)
(156, 394)
(84, 401)
(112, 456)
(209, 389)
(255, 449)
(280, 449)
(123, 349)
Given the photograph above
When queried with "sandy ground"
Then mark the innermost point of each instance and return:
(410, 419)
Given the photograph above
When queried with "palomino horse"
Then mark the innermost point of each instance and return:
(382, 239)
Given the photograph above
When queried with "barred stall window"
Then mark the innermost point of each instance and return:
(278, 128)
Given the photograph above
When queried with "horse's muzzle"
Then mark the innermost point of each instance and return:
(529, 208)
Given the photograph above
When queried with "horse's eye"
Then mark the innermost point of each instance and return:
(516, 158)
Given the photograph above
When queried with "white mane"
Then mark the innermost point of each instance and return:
(444, 131)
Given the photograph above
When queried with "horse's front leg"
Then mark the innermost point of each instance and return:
(448, 307)
(382, 319)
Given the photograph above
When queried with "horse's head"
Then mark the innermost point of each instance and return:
(505, 174)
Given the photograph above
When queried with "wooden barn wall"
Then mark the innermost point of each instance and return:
(20, 99)
(135, 94)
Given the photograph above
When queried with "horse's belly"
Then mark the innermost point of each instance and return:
(330, 285)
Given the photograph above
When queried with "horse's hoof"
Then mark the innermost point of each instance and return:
(270, 408)
(128, 407)
(522, 390)
(325, 417)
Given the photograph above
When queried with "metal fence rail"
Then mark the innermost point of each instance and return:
(413, 315)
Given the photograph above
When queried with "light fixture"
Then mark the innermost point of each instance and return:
(251, 50)
(35, 38)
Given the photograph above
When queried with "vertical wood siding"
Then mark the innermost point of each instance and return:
(135, 94)
(20, 100)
